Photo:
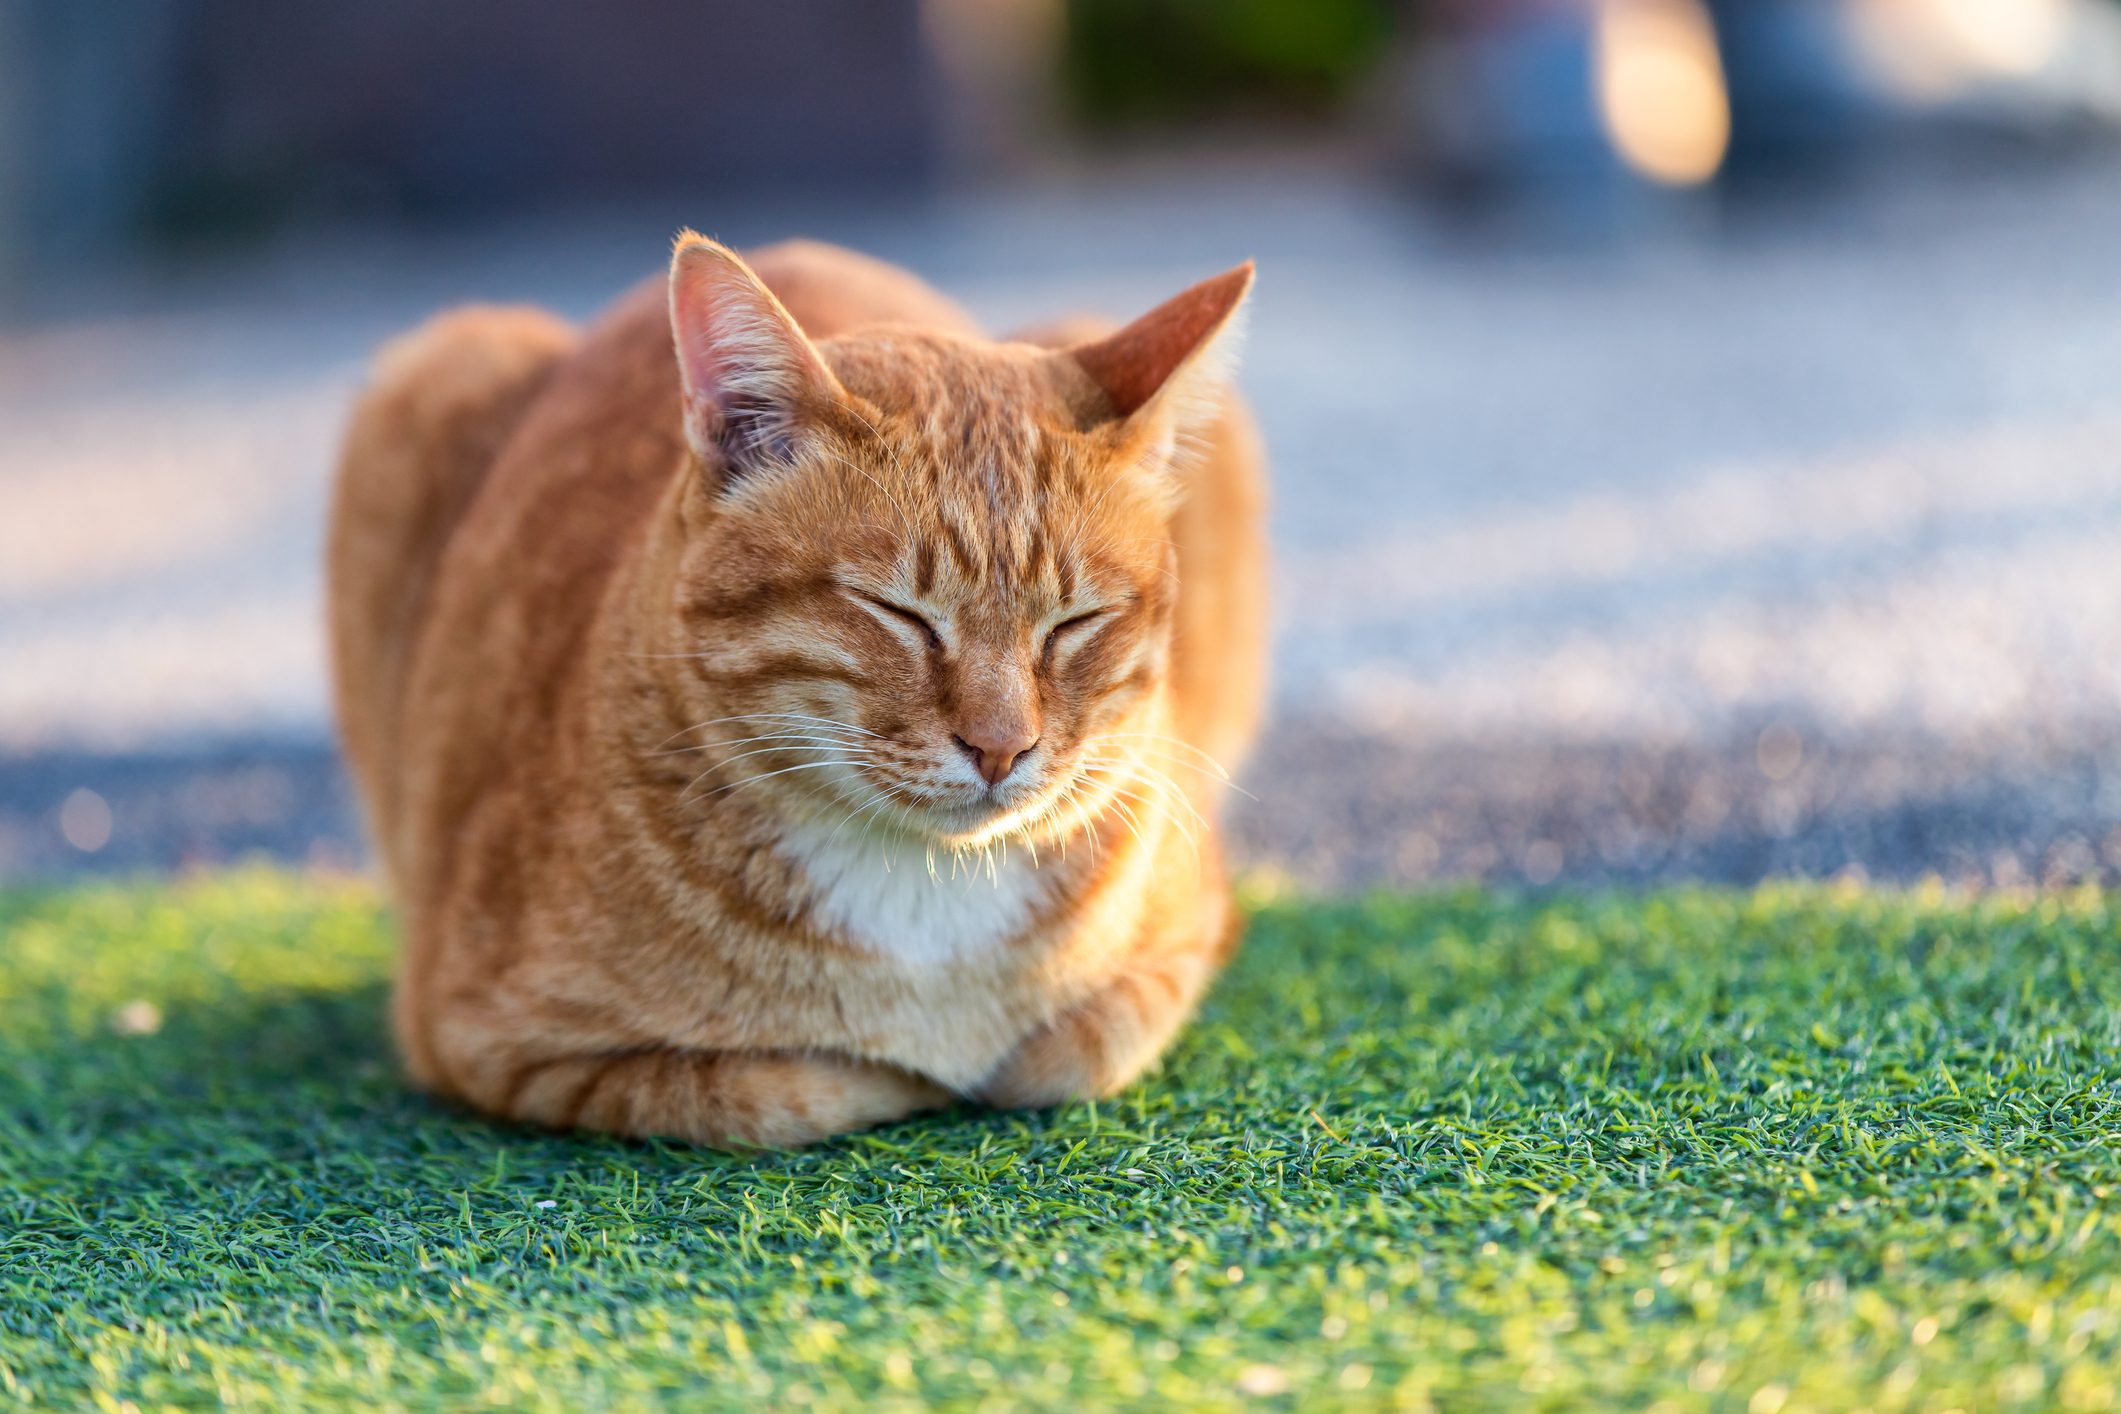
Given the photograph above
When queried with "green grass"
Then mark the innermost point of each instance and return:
(1797, 1149)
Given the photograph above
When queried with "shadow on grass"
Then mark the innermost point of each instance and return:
(230, 1066)
(270, 1063)
(305, 1088)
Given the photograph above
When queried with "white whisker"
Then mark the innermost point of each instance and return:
(767, 776)
(778, 716)
(1166, 739)
(798, 737)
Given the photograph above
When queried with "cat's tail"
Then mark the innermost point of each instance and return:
(440, 403)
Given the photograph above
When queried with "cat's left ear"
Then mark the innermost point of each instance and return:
(1168, 367)
(752, 380)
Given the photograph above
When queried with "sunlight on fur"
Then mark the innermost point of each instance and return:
(780, 708)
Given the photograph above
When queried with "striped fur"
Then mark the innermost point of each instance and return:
(781, 709)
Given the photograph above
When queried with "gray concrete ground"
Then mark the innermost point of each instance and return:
(1781, 539)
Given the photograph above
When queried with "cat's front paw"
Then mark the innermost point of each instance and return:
(1097, 1046)
(1069, 1058)
(768, 1101)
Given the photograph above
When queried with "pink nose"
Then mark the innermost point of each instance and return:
(995, 753)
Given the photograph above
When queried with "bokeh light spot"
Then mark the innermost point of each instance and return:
(1661, 92)
(85, 821)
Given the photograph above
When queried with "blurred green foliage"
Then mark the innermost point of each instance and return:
(1130, 61)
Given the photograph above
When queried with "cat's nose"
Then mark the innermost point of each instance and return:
(996, 752)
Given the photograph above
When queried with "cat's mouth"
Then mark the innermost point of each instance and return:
(975, 819)
(969, 816)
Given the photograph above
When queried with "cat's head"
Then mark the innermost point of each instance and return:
(928, 581)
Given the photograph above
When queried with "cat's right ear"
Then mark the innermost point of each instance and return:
(752, 381)
(1173, 358)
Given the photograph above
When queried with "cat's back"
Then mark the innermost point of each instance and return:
(441, 403)
(832, 290)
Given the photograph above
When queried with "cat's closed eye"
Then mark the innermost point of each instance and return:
(1070, 628)
(913, 618)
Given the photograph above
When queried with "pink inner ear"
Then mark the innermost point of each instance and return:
(704, 363)
(1134, 364)
(748, 371)
(727, 335)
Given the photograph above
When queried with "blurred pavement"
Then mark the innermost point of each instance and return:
(1762, 541)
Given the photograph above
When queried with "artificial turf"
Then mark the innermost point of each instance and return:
(1804, 1148)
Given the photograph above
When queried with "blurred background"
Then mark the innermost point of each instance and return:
(1696, 429)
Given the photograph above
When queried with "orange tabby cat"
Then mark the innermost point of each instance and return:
(780, 710)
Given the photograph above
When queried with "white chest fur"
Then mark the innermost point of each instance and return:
(918, 909)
